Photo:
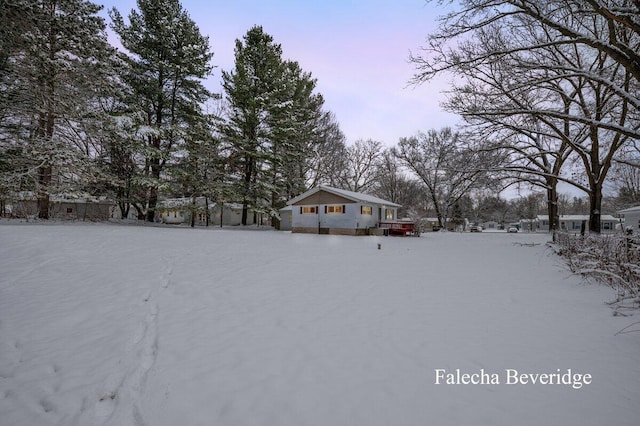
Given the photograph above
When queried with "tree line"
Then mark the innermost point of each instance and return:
(549, 88)
(548, 92)
(77, 116)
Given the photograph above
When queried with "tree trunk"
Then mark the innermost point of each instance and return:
(193, 212)
(153, 192)
(552, 206)
(206, 210)
(248, 178)
(151, 206)
(245, 210)
(124, 209)
(44, 180)
(595, 203)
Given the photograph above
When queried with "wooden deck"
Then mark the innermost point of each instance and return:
(401, 228)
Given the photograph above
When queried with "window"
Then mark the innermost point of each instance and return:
(388, 214)
(69, 210)
(309, 210)
(577, 225)
(334, 209)
(366, 210)
(606, 225)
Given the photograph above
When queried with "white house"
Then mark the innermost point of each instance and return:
(327, 210)
(178, 211)
(490, 225)
(631, 218)
(573, 223)
(173, 210)
(433, 224)
(286, 216)
(62, 207)
(229, 214)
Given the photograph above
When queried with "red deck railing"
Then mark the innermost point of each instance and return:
(398, 228)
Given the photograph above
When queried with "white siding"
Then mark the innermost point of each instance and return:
(632, 220)
(346, 220)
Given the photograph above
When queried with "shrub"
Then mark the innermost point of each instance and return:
(610, 259)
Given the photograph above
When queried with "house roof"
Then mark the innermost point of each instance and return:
(184, 202)
(577, 217)
(630, 209)
(70, 198)
(350, 195)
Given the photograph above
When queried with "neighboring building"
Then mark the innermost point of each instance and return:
(229, 214)
(432, 224)
(573, 223)
(286, 217)
(63, 207)
(327, 210)
(174, 210)
(490, 225)
(631, 218)
(528, 225)
(178, 211)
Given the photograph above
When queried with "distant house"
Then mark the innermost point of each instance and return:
(631, 218)
(229, 214)
(63, 207)
(174, 210)
(490, 225)
(286, 217)
(178, 211)
(432, 224)
(328, 210)
(573, 223)
(529, 225)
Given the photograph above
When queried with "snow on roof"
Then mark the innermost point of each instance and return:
(71, 198)
(174, 202)
(630, 209)
(182, 202)
(350, 195)
(577, 217)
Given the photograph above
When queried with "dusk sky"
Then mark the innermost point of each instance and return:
(357, 50)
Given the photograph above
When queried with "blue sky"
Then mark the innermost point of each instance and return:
(357, 50)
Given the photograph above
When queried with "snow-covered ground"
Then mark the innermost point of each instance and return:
(103, 324)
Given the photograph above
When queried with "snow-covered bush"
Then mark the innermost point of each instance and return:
(610, 259)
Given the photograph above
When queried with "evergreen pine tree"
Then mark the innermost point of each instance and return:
(271, 121)
(250, 89)
(167, 60)
(52, 62)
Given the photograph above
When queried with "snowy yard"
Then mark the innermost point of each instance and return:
(103, 324)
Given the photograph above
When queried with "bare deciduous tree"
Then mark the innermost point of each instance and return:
(562, 71)
(448, 170)
(361, 166)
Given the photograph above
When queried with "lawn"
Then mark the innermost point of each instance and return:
(104, 324)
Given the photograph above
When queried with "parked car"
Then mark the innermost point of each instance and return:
(512, 229)
(475, 228)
